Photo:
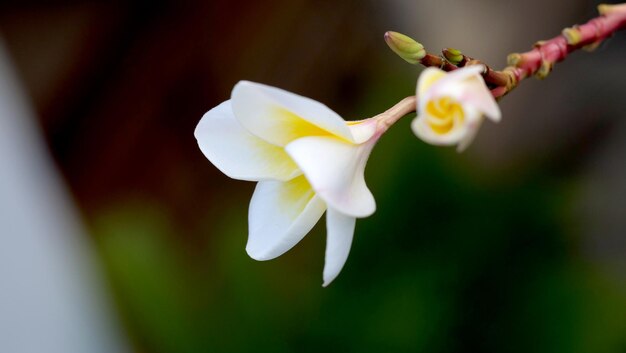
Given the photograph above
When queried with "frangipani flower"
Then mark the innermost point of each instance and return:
(306, 159)
(451, 106)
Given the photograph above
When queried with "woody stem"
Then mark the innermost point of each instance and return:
(545, 54)
(538, 62)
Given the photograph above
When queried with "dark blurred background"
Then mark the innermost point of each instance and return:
(518, 245)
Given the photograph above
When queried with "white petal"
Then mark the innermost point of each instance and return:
(280, 215)
(469, 135)
(427, 78)
(363, 130)
(335, 170)
(340, 229)
(421, 128)
(461, 74)
(238, 153)
(279, 117)
(465, 85)
(462, 133)
(478, 96)
(436, 85)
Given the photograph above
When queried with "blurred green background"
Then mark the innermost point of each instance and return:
(516, 246)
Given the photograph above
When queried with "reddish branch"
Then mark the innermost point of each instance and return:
(541, 59)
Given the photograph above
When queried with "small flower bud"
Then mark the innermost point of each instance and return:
(454, 56)
(544, 70)
(607, 9)
(514, 59)
(407, 48)
(572, 35)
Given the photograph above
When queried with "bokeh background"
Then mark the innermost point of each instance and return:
(517, 245)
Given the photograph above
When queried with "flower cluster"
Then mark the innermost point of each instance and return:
(307, 160)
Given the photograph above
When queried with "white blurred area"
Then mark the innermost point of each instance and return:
(52, 298)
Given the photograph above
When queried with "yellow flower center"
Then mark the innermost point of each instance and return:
(443, 114)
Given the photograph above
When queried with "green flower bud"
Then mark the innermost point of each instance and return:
(454, 56)
(407, 48)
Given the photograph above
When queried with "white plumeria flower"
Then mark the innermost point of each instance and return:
(306, 160)
(451, 106)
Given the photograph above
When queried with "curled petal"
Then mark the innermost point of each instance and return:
(279, 117)
(335, 170)
(472, 130)
(280, 215)
(465, 85)
(423, 130)
(427, 78)
(435, 82)
(238, 153)
(451, 106)
(459, 75)
(340, 229)
(476, 94)
(462, 131)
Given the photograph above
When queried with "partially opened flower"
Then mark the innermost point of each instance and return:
(306, 159)
(451, 106)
